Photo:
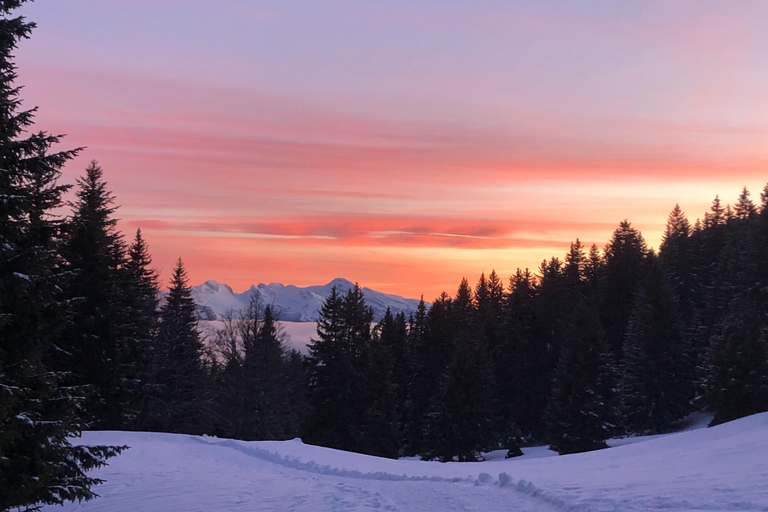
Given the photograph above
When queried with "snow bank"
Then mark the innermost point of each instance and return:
(718, 469)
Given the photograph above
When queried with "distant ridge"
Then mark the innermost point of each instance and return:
(292, 303)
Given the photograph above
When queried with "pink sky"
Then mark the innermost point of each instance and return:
(402, 145)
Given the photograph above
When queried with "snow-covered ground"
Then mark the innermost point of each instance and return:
(719, 468)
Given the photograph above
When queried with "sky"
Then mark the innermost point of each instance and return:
(400, 144)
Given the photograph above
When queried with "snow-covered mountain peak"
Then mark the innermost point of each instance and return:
(216, 287)
(292, 303)
(340, 282)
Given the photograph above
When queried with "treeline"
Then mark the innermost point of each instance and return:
(597, 344)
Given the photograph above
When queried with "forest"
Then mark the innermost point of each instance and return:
(600, 343)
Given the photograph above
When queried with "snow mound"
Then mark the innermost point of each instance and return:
(724, 468)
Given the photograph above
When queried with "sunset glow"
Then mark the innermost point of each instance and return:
(403, 145)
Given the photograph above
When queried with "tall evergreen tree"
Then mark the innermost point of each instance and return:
(623, 270)
(177, 380)
(522, 388)
(493, 344)
(657, 376)
(38, 465)
(331, 379)
(97, 337)
(675, 252)
(460, 422)
(270, 395)
(593, 268)
(140, 291)
(745, 209)
(385, 395)
(421, 357)
(739, 380)
(578, 411)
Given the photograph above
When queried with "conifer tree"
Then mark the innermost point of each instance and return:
(38, 465)
(140, 290)
(331, 377)
(759, 256)
(593, 269)
(745, 209)
(657, 377)
(421, 356)
(490, 299)
(96, 339)
(460, 421)
(521, 389)
(575, 265)
(385, 386)
(144, 280)
(177, 381)
(578, 412)
(270, 402)
(675, 255)
(623, 270)
(739, 380)
(231, 410)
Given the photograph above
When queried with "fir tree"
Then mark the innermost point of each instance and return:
(97, 336)
(38, 465)
(386, 382)
(270, 400)
(657, 376)
(675, 255)
(525, 382)
(593, 269)
(421, 356)
(490, 299)
(460, 420)
(575, 265)
(739, 380)
(579, 408)
(141, 298)
(745, 208)
(331, 379)
(177, 381)
(623, 270)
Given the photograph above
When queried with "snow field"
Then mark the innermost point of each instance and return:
(718, 469)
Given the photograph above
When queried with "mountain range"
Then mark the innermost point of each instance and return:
(292, 303)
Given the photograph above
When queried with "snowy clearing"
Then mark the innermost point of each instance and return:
(720, 468)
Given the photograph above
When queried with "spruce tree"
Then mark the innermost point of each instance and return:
(522, 389)
(460, 422)
(657, 377)
(385, 391)
(745, 209)
(739, 380)
(270, 400)
(593, 267)
(420, 357)
(231, 410)
(97, 338)
(622, 272)
(140, 291)
(177, 377)
(675, 252)
(579, 408)
(330, 378)
(38, 465)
